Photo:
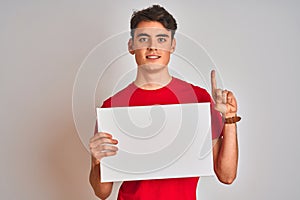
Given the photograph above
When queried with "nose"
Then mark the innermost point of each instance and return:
(152, 45)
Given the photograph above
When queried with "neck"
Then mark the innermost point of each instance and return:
(152, 80)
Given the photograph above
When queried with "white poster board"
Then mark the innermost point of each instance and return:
(155, 142)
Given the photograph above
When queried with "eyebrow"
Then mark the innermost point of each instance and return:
(143, 34)
(162, 35)
(147, 35)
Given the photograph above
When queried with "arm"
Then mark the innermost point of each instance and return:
(99, 149)
(225, 149)
(225, 154)
(102, 190)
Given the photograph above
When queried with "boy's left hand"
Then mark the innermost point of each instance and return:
(225, 101)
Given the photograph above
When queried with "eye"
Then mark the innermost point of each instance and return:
(160, 40)
(143, 39)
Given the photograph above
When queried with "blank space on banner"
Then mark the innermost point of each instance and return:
(155, 142)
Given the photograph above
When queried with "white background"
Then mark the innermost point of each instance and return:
(42, 44)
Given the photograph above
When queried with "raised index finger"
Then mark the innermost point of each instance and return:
(213, 80)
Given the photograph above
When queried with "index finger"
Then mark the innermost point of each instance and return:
(213, 80)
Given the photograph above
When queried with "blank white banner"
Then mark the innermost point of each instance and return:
(155, 142)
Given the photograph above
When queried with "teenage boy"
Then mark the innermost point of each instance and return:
(152, 42)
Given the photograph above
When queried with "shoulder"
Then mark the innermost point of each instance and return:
(121, 98)
(201, 93)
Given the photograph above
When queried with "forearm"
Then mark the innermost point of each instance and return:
(102, 190)
(226, 154)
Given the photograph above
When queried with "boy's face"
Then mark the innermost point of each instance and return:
(152, 44)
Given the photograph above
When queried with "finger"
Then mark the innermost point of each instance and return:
(106, 154)
(100, 135)
(218, 96)
(230, 97)
(104, 134)
(108, 148)
(103, 148)
(100, 155)
(232, 101)
(213, 80)
(224, 96)
(99, 150)
(222, 108)
(102, 141)
(230, 109)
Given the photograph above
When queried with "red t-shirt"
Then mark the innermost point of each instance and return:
(176, 92)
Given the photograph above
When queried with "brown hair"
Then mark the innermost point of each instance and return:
(153, 13)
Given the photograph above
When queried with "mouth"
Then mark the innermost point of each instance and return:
(153, 57)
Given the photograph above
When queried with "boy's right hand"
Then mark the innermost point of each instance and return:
(103, 145)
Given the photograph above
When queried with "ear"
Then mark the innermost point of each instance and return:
(173, 45)
(130, 46)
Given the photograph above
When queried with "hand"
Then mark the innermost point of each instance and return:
(103, 145)
(225, 101)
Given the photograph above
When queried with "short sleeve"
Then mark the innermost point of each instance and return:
(216, 118)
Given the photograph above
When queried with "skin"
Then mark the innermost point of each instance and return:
(152, 73)
(152, 53)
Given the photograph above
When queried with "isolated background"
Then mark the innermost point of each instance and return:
(43, 43)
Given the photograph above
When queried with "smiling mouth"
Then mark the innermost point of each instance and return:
(153, 57)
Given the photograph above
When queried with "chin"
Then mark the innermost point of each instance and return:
(153, 67)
